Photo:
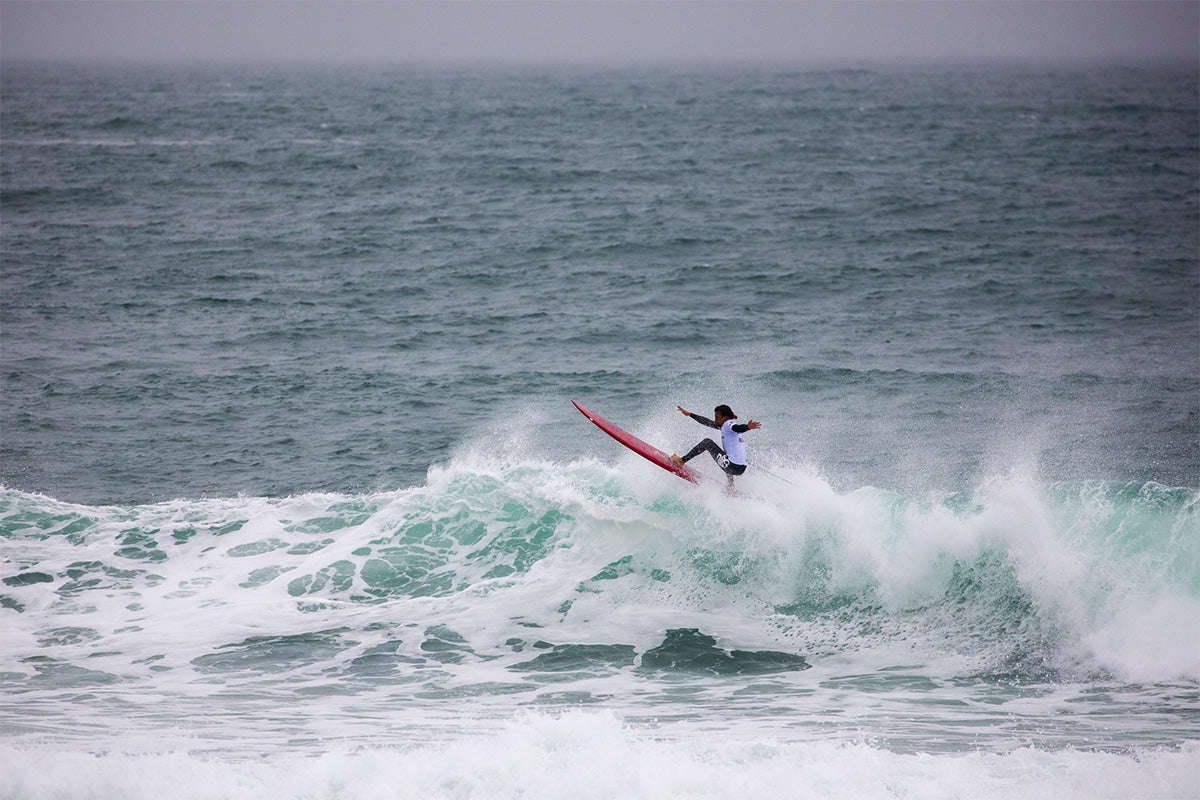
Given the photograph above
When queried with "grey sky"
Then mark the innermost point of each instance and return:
(578, 30)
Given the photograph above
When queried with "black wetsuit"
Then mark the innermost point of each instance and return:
(715, 450)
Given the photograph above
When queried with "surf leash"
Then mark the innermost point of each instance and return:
(772, 474)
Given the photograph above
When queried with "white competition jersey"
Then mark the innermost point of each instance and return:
(733, 443)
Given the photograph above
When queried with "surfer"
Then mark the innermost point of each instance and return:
(730, 455)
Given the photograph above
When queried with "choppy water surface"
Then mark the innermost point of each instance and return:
(295, 498)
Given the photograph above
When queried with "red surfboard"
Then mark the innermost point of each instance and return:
(646, 451)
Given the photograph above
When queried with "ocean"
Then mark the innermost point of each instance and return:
(294, 502)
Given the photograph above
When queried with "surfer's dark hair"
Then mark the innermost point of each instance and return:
(724, 411)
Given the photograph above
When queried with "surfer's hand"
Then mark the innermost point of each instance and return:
(684, 411)
(752, 425)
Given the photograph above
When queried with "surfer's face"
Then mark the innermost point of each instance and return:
(719, 418)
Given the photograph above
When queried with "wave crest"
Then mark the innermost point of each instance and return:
(1020, 581)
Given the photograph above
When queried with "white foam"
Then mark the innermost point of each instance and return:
(1158, 640)
(895, 551)
(684, 557)
(593, 756)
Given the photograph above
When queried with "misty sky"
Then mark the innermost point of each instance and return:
(582, 31)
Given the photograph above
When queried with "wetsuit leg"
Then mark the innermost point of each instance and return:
(705, 446)
(714, 450)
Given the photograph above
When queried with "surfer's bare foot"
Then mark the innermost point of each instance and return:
(676, 460)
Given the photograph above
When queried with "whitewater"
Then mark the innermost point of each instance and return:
(294, 502)
(567, 622)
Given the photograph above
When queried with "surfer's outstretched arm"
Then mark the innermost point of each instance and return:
(698, 418)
